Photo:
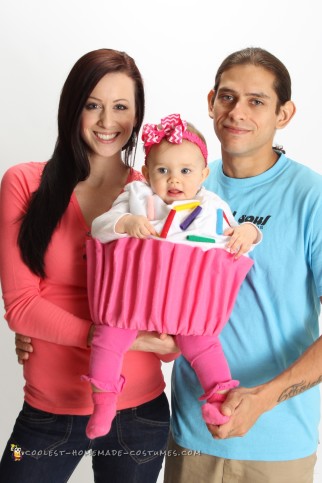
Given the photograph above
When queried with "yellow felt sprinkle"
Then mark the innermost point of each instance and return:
(186, 206)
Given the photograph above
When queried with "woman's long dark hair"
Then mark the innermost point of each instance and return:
(69, 163)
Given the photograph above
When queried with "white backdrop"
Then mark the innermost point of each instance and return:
(178, 46)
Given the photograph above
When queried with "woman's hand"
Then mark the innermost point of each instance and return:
(23, 347)
(90, 335)
(146, 342)
(155, 342)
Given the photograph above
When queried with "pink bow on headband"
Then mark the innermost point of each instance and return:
(174, 130)
(171, 128)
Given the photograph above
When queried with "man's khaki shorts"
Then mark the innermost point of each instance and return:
(185, 466)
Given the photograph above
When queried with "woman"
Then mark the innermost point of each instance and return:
(48, 208)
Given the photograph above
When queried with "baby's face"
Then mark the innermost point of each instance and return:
(175, 171)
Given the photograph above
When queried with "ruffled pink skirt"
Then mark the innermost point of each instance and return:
(162, 286)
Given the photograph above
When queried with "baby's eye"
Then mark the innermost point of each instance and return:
(162, 170)
(185, 171)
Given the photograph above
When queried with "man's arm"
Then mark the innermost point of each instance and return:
(246, 405)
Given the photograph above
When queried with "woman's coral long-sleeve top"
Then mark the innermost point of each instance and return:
(54, 311)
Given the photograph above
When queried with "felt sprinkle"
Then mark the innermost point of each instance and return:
(150, 208)
(203, 239)
(220, 221)
(187, 221)
(186, 206)
(167, 224)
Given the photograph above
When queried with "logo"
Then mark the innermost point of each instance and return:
(260, 221)
(16, 452)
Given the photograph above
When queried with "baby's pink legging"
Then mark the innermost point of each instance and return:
(109, 344)
(204, 352)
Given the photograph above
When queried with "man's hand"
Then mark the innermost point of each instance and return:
(23, 347)
(244, 406)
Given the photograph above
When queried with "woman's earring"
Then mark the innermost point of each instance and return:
(130, 158)
(134, 139)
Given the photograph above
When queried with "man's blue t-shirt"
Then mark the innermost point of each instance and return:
(275, 317)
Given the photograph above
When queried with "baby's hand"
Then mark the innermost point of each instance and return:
(242, 238)
(135, 225)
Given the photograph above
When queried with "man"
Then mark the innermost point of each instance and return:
(271, 340)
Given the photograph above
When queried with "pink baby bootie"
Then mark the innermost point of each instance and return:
(211, 410)
(215, 397)
(104, 412)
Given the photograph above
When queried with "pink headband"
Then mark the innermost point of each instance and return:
(174, 130)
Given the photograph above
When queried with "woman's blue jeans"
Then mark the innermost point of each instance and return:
(51, 446)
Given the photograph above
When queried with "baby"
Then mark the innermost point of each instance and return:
(176, 268)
